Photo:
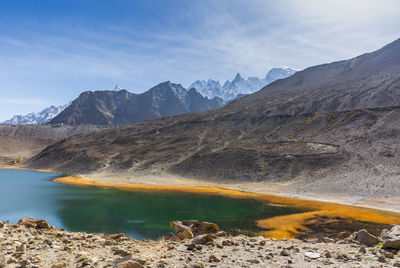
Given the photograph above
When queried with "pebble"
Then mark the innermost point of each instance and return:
(181, 248)
(312, 255)
(285, 253)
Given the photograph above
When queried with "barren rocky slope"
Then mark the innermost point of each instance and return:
(29, 140)
(369, 80)
(353, 151)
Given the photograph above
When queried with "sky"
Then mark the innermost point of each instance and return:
(53, 50)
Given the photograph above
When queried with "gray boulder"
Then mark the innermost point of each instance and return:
(365, 238)
(391, 238)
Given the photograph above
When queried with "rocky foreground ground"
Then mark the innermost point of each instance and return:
(34, 243)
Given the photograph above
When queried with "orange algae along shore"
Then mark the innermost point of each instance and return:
(278, 227)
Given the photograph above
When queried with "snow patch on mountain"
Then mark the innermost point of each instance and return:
(239, 86)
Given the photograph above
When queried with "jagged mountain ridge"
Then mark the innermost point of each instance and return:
(112, 108)
(231, 90)
(239, 86)
(37, 118)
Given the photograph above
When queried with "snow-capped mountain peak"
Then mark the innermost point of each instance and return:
(237, 78)
(41, 117)
(239, 86)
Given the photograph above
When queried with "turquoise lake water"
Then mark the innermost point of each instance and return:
(139, 214)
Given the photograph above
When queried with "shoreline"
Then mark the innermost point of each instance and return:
(289, 226)
(278, 227)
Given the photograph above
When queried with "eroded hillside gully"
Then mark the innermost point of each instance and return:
(319, 219)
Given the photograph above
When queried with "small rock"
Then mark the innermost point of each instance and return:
(342, 256)
(202, 239)
(2, 260)
(142, 262)
(343, 235)
(48, 242)
(35, 259)
(21, 248)
(327, 240)
(214, 258)
(221, 234)
(11, 260)
(328, 255)
(34, 223)
(59, 265)
(191, 247)
(129, 264)
(285, 253)
(312, 255)
(384, 234)
(388, 254)
(363, 250)
(113, 236)
(226, 243)
(365, 238)
(187, 233)
(396, 264)
(196, 265)
(182, 231)
(173, 237)
(207, 228)
(381, 259)
(25, 263)
(120, 251)
(128, 258)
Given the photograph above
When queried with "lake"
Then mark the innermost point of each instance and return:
(139, 214)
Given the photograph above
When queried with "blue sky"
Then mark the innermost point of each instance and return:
(52, 50)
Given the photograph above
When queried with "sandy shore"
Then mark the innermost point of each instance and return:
(278, 189)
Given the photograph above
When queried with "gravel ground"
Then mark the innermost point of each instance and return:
(22, 246)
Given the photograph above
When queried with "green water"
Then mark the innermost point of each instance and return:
(139, 214)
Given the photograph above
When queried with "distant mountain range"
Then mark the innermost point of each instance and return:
(162, 100)
(41, 117)
(112, 108)
(239, 87)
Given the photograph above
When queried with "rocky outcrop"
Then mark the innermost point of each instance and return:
(388, 239)
(34, 223)
(191, 229)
